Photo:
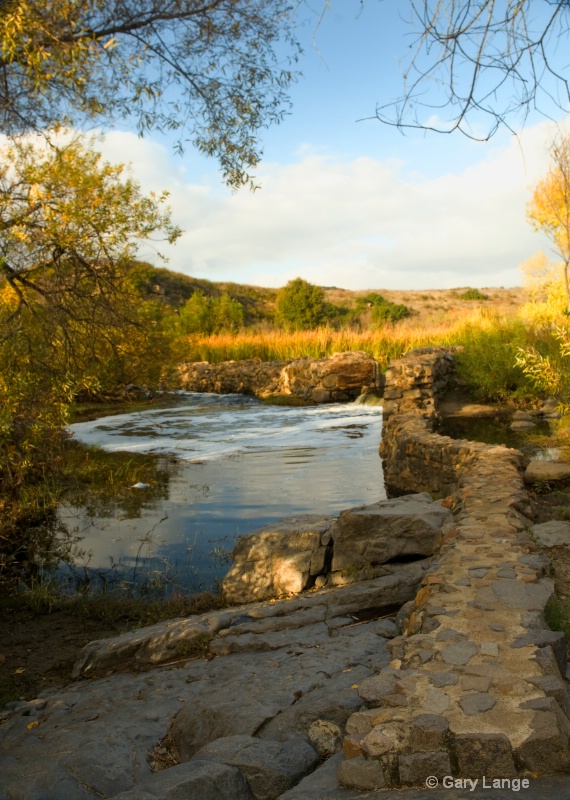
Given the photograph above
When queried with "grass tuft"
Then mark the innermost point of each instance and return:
(557, 615)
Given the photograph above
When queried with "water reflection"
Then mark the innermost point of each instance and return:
(241, 465)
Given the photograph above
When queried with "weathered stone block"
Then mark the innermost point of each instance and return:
(373, 690)
(377, 533)
(527, 596)
(546, 748)
(546, 471)
(546, 638)
(269, 767)
(458, 653)
(477, 703)
(361, 773)
(376, 743)
(415, 768)
(204, 721)
(435, 701)
(200, 779)
(488, 754)
(325, 736)
(428, 733)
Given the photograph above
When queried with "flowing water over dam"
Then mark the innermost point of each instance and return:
(239, 465)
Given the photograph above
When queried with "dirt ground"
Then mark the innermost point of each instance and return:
(38, 651)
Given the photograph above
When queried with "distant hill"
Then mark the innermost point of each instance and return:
(175, 289)
(429, 305)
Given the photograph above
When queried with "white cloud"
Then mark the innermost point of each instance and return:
(360, 223)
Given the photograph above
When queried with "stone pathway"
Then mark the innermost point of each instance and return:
(476, 686)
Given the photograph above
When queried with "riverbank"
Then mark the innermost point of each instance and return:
(43, 615)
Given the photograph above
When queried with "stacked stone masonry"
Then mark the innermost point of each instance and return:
(338, 378)
(476, 686)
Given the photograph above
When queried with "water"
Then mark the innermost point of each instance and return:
(533, 442)
(240, 465)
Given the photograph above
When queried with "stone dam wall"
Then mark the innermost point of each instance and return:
(338, 378)
(476, 686)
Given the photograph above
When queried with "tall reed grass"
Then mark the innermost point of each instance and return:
(488, 363)
(384, 344)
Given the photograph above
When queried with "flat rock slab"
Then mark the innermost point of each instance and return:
(547, 471)
(269, 767)
(459, 409)
(92, 738)
(552, 534)
(382, 531)
(271, 623)
(522, 424)
(199, 779)
(528, 596)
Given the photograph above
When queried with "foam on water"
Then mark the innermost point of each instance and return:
(207, 426)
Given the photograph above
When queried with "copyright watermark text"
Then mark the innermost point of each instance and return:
(449, 782)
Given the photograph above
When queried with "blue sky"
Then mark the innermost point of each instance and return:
(353, 203)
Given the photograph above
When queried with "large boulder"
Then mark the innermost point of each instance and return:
(375, 534)
(282, 558)
(343, 376)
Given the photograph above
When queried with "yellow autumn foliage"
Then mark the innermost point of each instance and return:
(70, 317)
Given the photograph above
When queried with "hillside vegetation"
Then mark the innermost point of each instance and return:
(429, 306)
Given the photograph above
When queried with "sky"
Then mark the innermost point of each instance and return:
(347, 201)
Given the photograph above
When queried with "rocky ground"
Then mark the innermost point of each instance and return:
(279, 667)
(241, 720)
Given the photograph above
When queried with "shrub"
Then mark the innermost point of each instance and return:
(488, 363)
(300, 306)
(204, 314)
(382, 311)
(473, 294)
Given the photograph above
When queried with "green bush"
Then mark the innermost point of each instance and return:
(382, 311)
(488, 364)
(300, 306)
(473, 294)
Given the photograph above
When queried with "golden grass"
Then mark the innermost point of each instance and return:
(384, 344)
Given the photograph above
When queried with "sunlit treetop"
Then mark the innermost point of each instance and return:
(211, 70)
(69, 222)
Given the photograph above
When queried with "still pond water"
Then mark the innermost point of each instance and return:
(231, 465)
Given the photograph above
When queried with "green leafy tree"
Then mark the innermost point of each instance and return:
(71, 224)
(70, 318)
(207, 315)
(212, 71)
(300, 306)
(229, 313)
(196, 315)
